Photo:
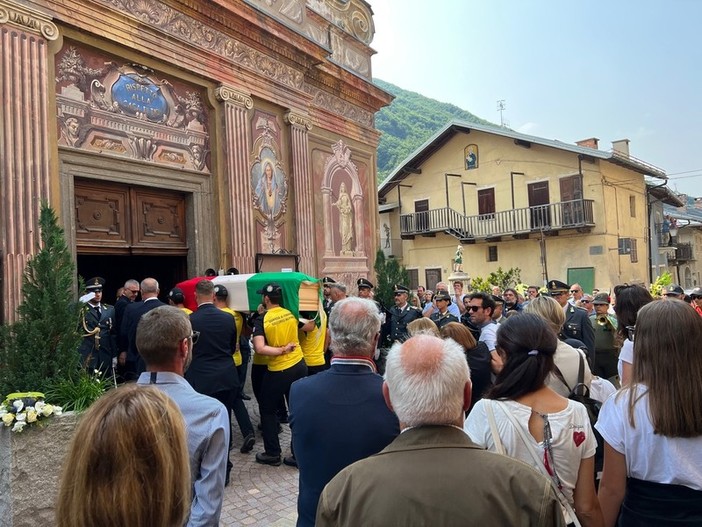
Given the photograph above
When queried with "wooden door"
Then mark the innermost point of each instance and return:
(111, 218)
(571, 196)
(433, 277)
(539, 205)
(421, 210)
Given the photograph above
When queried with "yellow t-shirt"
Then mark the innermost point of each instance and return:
(186, 310)
(312, 344)
(239, 323)
(279, 327)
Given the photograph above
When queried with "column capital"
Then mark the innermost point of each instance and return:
(227, 94)
(296, 119)
(28, 19)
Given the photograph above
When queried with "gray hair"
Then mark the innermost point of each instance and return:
(159, 332)
(338, 285)
(353, 324)
(426, 377)
(131, 282)
(149, 285)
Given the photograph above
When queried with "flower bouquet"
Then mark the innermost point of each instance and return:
(23, 409)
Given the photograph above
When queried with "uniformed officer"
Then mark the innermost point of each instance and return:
(399, 315)
(326, 282)
(98, 347)
(365, 290)
(442, 316)
(577, 324)
(605, 326)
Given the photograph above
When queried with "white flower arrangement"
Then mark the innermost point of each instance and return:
(23, 409)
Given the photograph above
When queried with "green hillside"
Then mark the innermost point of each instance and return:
(408, 122)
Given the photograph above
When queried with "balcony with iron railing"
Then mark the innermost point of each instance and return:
(684, 252)
(575, 214)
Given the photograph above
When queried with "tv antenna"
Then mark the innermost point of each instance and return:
(501, 108)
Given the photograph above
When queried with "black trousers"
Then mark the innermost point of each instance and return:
(648, 504)
(276, 385)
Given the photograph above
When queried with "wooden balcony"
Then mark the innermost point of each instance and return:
(576, 214)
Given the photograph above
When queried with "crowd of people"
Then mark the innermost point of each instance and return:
(466, 376)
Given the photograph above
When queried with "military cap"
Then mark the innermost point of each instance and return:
(399, 288)
(270, 289)
(696, 292)
(556, 286)
(364, 282)
(95, 284)
(674, 289)
(442, 295)
(498, 299)
(601, 299)
(176, 294)
(328, 280)
(220, 291)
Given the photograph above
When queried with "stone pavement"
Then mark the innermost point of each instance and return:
(259, 495)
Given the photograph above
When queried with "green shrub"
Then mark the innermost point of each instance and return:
(78, 392)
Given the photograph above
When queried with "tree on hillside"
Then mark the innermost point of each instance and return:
(41, 347)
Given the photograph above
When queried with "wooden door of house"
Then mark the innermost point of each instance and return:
(571, 198)
(539, 205)
(421, 211)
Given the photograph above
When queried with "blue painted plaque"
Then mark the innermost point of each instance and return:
(138, 95)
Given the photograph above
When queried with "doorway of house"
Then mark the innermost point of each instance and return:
(117, 269)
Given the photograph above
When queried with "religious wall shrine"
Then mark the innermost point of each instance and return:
(176, 135)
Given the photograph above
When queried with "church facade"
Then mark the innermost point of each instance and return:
(178, 135)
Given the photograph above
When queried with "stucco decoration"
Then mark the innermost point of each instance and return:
(187, 29)
(339, 106)
(28, 19)
(269, 182)
(353, 16)
(129, 110)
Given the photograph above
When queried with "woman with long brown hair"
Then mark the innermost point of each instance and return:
(127, 465)
(653, 427)
(628, 300)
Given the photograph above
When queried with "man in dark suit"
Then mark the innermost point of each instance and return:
(212, 371)
(130, 359)
(130, 291)
(338, 416)
(577, 324)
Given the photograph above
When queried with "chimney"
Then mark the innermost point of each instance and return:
(621, 147)
(588, 143)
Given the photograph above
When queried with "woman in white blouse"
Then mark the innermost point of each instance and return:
(524, 418)
(653, 427)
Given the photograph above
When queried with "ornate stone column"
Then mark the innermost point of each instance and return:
(24, 140)
(359, 218)
(304, 203)
(242, 233)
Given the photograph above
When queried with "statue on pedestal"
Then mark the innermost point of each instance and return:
(458, 260)
(345, 220)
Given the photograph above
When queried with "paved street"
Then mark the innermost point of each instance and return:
(259, 495)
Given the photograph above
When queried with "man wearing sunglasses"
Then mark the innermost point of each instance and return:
(481, 308)
(165, 340)
(577, 324)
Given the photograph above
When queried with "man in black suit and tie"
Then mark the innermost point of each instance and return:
(130, 359)
(212, 371)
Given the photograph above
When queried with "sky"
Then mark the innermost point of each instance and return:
(611, 69)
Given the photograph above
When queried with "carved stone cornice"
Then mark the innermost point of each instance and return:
(296, 119)
(178, 25)
(339, 106)
(28, 19)
(226, 94)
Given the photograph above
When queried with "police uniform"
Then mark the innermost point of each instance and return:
(441, 319)
(398, 318)
(364, 282)
(327, 303)
(577, 324)
(98, 347)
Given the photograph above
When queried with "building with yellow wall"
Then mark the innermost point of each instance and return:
(554, 210)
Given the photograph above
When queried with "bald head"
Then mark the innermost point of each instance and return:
(427, 381)
(149, 288)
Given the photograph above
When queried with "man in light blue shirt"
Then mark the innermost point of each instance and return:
(165, 340)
